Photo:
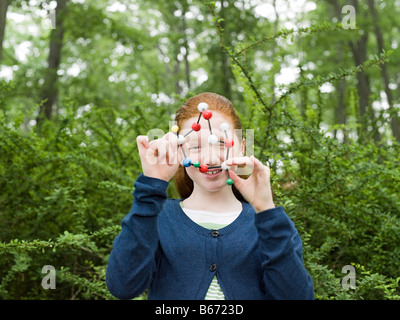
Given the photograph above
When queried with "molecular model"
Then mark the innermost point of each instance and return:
(212, 139)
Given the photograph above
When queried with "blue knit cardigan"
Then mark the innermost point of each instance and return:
(258, 256)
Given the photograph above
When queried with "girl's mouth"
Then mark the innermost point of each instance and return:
(213, 173)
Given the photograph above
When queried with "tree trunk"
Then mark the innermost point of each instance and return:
(273, 50)
(177, 68)
(379, 37)
(226, 68)
(49, 90)
(340, 111)
(359, 49)
(186, 46)
(3, 18)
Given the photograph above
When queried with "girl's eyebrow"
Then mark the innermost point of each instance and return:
(197, 143)
(196, 138)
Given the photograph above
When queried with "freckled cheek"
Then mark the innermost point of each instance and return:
(194, 155)
(192, 172)
(197, 155)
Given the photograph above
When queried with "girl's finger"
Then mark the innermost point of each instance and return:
(153, 145)
(143, 144)
(260, 169)
(240, 161)
(142, 141)
(150, 154)
(237, 181)
(245, 164)
(162, 151)
(172, 153)
(172, 141)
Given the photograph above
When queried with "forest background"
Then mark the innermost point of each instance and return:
(318, 83)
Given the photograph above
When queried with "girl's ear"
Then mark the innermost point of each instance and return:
(242, 147)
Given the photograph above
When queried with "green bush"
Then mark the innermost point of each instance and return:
(63, 195)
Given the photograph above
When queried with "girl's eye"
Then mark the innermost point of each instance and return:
(221, 142)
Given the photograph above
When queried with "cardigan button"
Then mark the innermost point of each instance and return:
(213, 267)
(215, 233)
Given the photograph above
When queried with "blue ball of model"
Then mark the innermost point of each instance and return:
(186, 162)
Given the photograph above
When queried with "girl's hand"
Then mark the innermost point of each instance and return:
(159, 158)
(257, 188)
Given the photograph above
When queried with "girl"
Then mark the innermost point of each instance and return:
(218, 241)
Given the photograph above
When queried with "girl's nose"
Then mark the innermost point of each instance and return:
(211, 154)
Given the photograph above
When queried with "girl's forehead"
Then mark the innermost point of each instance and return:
(215, 122)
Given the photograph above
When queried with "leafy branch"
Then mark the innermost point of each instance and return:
(332, 77)
(82, 241)
(284, 33)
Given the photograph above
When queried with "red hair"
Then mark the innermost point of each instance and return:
(188, 110)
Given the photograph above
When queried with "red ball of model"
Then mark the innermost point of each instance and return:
(203, 168)
(207, 114)
(229, 143)
(196, 126)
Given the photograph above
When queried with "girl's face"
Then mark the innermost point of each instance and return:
(201, 150)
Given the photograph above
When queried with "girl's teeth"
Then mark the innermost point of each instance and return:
(213, 172)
